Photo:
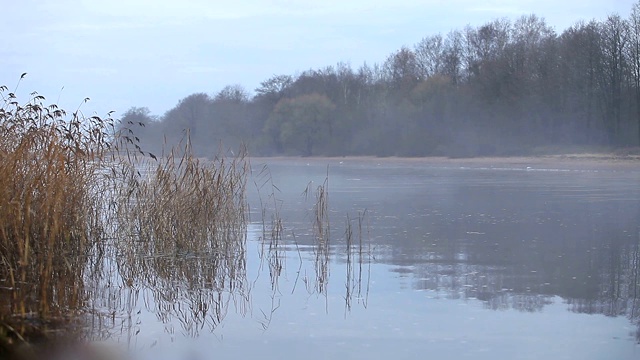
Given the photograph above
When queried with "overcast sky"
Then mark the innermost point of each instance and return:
(155, 52)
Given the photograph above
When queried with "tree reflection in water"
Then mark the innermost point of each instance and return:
(603, 279)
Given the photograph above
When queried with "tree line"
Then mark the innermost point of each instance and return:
(502, 88)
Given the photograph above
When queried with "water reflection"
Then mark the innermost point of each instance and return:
(358, 253)
(521, 240)
(190, 284)
(513, 238)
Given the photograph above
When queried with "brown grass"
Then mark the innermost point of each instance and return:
(79, 197)
(180, 230)
(322, 233)
(49, 168)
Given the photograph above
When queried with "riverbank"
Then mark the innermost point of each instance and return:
(586, 161)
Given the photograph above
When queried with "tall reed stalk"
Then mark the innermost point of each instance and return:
(321, 231)
(48, 169)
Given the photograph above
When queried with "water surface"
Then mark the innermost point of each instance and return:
(445, 259)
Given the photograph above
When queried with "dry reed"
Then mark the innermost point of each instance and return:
(354, 278)
(89, 221)
(79, 198)
(271, 251)
(321, 231)
(180, 232)
(49, 167)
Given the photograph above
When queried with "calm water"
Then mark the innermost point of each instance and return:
(446, 260)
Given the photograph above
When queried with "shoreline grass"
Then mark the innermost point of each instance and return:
(74, 188)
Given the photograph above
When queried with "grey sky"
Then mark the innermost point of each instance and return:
(155, 52)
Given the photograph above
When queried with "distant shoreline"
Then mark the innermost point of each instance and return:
(570, 161)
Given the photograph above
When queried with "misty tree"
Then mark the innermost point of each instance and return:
(633, 51)
(501, 88)
(190, 112)
(192, 117)
(143, 127)
(348, 84)
(438, 55)
(137, 116)
(231, 122)
(529, 34)
(402, 71)
(580, 61)
(429, 54)
(322, 81)
(274, 88)
(232, 93)
(428, 128)
(531, 76)
(301, 123)
(452, 55)
(614, 39)
(484, 45)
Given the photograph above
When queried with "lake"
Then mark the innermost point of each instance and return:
(455, 259)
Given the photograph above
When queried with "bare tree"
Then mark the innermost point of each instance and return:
(633, 51)
(401, 71)
(429, 54)
(614, 39)
(485, 44)
(452, 56)
(234, 93)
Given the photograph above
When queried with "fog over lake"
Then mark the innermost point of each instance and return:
(451, 259)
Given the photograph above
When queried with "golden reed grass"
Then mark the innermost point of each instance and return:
(49, 166)
(181, 230)
(74, 189)
(48, 169)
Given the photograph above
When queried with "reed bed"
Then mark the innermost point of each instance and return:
(82, 206)
(49, 166)
(181, 232)
(183, 205)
